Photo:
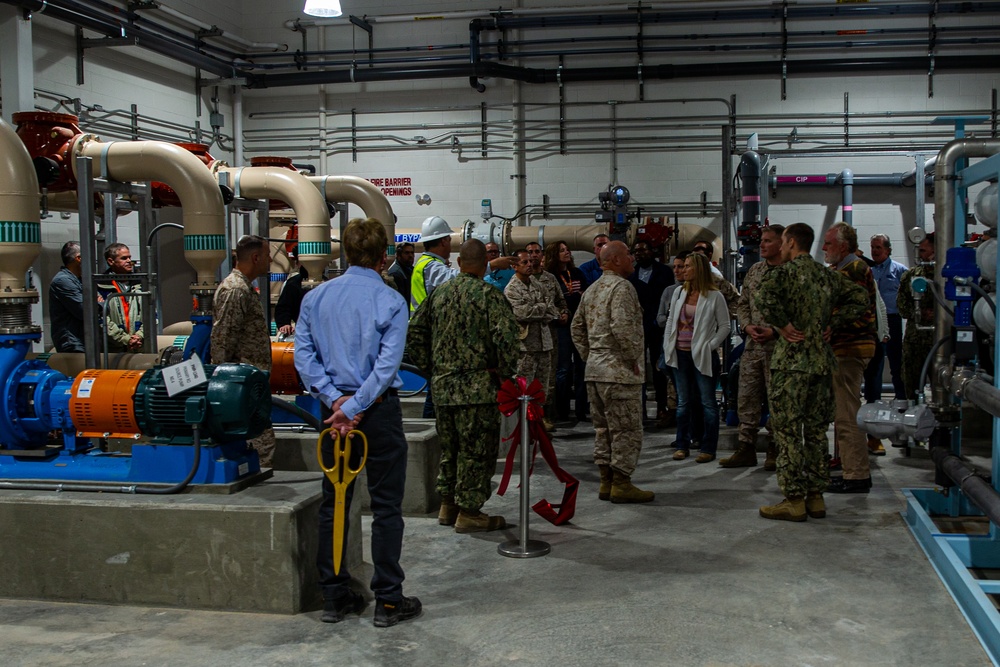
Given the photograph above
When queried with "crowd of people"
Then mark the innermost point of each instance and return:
(602, 340)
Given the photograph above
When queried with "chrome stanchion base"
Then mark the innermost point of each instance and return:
(532, 549)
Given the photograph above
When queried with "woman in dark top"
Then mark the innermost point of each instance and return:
(569, 365)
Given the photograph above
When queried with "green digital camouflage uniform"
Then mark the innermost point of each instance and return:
(607, 331)
(804, 293)
(755, 371)
(465, 338)
(917, 343)
(240, 335)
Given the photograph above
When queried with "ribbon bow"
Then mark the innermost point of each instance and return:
(509, 398)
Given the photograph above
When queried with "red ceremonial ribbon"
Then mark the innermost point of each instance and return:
(509, 398)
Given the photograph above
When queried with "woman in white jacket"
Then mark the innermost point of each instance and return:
(696, 327)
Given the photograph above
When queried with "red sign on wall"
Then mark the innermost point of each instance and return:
(394, 186)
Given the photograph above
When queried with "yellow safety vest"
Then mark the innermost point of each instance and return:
(418, 289)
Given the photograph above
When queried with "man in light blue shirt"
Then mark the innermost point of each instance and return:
(349, 342)
(496, 277)
(592, 269)
(887, 273)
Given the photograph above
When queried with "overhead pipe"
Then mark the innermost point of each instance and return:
(215, 31)
(945, 179)
(735, 69)
(361, 193)
(292, 187)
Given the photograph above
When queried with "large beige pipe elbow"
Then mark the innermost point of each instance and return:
(20, 231)
(294, 189)
(203, 210)
(361, 193)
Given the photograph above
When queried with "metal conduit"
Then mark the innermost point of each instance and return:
(979, 492)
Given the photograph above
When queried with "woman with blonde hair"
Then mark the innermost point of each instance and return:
(697, 325)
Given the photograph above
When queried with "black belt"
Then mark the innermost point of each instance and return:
(385, 394)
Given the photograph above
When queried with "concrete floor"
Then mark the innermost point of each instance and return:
(694, 578)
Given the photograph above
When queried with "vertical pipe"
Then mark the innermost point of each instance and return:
(237, 125)
(945, 184)
(847, 180)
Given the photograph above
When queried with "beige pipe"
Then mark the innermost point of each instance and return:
(72, 364)
(294, 189)
(203, 210)
(362, 194)
(20, 231)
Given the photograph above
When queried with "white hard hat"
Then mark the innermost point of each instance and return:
(433, 228)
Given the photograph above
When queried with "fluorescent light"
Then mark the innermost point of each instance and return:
(323, 8)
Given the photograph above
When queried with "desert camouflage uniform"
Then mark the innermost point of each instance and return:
(804, 293)
(534, 308)
(551, 283)
(607, 331)
(917, 343)
(755, 368)
(241, 335)
(465, 337)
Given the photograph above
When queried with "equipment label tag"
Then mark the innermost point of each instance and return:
(181, 377)
(83, 391)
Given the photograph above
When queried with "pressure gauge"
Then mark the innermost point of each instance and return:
(916, 235)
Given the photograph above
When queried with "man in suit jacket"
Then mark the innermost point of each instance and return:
(650, 279)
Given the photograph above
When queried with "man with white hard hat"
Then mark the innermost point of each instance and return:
(432, 269)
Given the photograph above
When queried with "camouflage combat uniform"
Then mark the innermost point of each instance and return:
(551, 283)
(755, 367)
(534, 308)
(804, 293)
(465, 337)
(607, 331)
(241, 335)
(917, 343)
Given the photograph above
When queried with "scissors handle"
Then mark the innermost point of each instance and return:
(341, 455)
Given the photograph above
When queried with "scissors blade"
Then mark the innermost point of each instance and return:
(339, 507)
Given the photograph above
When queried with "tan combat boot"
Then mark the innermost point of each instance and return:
(789, 509)
(448, 512)
(622, 490)
(743, 457)
(477, 522)
(771, 458)
(606, 477)
(815, 505)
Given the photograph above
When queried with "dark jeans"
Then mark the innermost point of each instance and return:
(703, 400)
(569, 373)
(894, 353)
(873, 374)
(386, 472)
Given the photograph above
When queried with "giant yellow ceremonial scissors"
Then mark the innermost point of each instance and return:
(340, 475)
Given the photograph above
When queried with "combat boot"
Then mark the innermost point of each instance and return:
(815, 505)
(743, 457)
(606, 477)
(789, 509)
(622, 490)
(771, 458)
(477, 522)
(448, 512)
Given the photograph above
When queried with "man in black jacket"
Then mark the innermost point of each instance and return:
(650, 278)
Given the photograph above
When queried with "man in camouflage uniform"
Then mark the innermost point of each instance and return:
(607, 331)
(917, 343)
(240, 334)
(853, 343)
(465, 337)
(798, 300)
(534, 308)
(551, 284)
(755, 371)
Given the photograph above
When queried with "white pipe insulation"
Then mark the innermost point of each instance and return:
(203, 211)
(20, 228)
(294, 189)
(361, 193)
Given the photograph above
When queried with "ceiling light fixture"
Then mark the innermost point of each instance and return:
(326, 9)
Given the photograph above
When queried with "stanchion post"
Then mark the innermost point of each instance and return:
(524, 548)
